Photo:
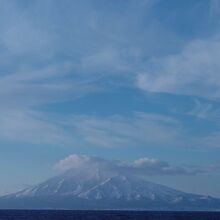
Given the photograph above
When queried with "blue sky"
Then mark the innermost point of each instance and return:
(114, 79)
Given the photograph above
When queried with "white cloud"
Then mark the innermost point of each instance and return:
(75, 161)
(72, 161)
(143, 166)
(194, 71)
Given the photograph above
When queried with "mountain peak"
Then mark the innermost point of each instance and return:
(101, 190)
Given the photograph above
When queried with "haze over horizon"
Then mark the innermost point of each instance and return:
(132, 85)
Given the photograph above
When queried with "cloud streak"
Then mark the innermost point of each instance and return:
(116, 130)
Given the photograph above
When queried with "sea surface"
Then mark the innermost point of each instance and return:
(105, 215)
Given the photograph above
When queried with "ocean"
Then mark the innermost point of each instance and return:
(104, 215)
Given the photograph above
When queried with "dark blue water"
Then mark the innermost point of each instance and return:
(105, 215)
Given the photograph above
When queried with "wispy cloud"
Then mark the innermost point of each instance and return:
(193, 71)
(138, 129)
(115, 131)
(28, 87)
(201, 110)
(31, 127)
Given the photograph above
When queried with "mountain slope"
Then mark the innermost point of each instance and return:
(99, 190)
